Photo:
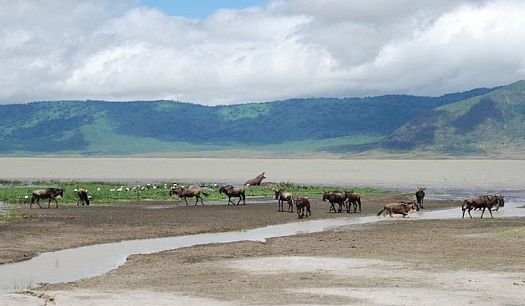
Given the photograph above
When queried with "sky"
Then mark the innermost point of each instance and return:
(198, 8)
(226, 51)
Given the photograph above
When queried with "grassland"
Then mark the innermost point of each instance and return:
(105, 193)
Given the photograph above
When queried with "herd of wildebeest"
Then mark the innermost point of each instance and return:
(338, 200)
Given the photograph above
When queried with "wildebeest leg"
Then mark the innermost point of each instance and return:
(37, 202)
(482, 212)
(56, 202)
(243, 199)
(197, 200)
(185, 200)
(469, 209)
(490, 211)
(49, 203)
(239, 202)
(290, 206)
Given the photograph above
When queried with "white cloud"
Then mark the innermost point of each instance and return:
(101, 49)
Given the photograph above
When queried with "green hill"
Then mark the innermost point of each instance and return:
(492, 124)
(290, 127)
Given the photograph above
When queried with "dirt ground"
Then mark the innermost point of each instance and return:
(43, 230)
(396, 262)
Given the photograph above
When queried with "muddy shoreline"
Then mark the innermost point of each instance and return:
(44, 230)
(412, 262)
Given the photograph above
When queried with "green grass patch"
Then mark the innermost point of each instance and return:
(103, 192)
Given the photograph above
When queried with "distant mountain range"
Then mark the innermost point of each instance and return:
(480, 123)
(492, 124)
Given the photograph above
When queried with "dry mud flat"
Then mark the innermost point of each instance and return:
(397, 262)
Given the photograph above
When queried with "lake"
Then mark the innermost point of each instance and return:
(460, 174)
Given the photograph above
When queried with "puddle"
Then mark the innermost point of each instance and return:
(77, 263)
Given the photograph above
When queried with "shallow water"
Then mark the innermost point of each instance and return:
(74, 264)
(461, 174)
(2, 207)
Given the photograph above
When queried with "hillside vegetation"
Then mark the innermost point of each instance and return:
(492, 124)
(291, 127)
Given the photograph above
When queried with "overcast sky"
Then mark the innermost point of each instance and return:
(277, 49)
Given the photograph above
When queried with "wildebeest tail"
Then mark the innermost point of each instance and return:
(33, 199)
(381, 211)
(465, 205)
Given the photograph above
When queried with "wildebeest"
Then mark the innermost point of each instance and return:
(82, 196)
(302, 205)
(189, 192)
(335, 197)
(282, 197)
(48, 193)
(420, 195)
(231, 191)
(402, 208)
(482, 202)
(353, 199)
(501, 202)
(256, 181)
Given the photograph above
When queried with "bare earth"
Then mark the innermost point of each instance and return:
(399, 262)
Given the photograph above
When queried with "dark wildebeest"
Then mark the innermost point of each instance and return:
(302, 205)
(48, 193)
(353, 199)
(255, 181)
(402, 208)
(420, 195)
(501, 202)
(483, 202)
(231, 191)
(335, 197)
(282, 197)
(82, 196)
(189, 192)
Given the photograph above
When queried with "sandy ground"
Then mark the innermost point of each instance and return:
(399, 262)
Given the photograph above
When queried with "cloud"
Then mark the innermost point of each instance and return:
(115, 50)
